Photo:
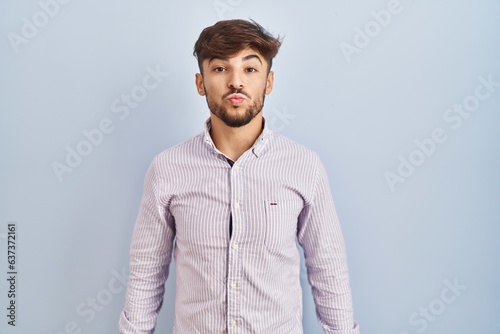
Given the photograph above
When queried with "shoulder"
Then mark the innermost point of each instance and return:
(290, 148)
(180, 153)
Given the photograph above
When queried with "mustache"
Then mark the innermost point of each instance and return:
(235, 91)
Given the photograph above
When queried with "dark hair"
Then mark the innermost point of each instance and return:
(228, 37)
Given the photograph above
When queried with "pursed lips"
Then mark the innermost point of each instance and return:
(236, 98)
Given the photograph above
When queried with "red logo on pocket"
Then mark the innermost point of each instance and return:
(273, 203)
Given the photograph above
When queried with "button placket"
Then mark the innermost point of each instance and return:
(235, 247)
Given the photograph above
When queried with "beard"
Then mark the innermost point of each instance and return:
(237, 119)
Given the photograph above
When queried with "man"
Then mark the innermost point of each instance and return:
(230, 204)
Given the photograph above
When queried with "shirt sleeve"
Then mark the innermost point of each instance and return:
(320, 236)
(150, 256)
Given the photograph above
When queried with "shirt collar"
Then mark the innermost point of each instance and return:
(257, 147)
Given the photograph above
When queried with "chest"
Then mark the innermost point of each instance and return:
(264, 203)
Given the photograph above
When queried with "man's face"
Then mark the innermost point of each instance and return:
(235, 87)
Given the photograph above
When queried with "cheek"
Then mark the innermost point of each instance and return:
(212, 88)
(256, 89)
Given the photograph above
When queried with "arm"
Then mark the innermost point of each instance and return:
(150, 256)
(320, 236)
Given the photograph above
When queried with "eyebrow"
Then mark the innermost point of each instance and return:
(246, 58)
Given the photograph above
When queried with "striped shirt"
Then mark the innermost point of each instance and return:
(247, 280)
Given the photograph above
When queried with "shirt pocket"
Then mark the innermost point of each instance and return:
(281, 225)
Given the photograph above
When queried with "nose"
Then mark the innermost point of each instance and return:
(235, 81)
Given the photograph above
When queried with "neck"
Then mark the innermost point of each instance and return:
(233, 142)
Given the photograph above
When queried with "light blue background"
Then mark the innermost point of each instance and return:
(442, 224)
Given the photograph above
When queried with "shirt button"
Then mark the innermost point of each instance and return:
(233, 323)
(236, 205)
(235, 245)
(233, 285)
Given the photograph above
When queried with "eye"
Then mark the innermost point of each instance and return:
(251, 70)
(219, 69)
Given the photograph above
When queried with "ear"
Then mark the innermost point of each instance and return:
(199, 84)
(269, 82)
